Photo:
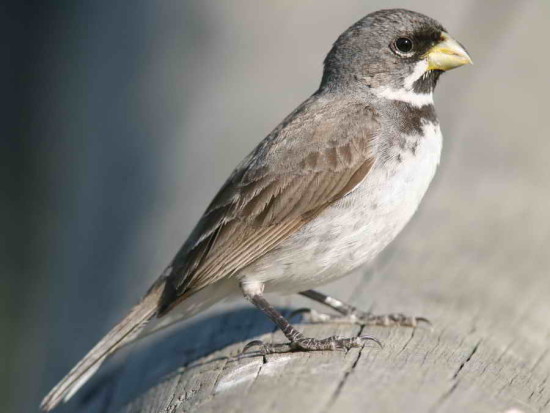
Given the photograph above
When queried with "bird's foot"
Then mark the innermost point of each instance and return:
(362, 318)
(311, 344)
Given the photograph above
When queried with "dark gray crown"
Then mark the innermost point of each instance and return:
(362, 54)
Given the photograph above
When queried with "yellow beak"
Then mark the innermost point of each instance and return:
(447, 54)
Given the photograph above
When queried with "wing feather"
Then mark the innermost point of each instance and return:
(314, 157)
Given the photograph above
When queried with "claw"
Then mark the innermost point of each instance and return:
(254, 343)
(371, 338)
(414, 321)
(424, 320)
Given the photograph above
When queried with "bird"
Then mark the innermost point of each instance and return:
(323, 194)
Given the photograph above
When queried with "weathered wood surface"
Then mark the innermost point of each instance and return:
(482, 355)
(488, 351)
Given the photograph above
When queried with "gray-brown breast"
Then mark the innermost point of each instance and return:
(314, 157)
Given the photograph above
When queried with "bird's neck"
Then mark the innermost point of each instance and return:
(413, 98)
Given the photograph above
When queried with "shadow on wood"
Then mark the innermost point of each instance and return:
(464, 364)
(161, 359)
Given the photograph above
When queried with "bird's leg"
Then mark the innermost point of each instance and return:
(331, 302)
(352, 315)
(298, 342)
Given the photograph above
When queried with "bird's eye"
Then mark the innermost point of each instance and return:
(403, 45)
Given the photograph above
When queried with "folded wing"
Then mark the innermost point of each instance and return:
(317, 155)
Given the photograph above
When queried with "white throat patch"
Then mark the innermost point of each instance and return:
(406, 93)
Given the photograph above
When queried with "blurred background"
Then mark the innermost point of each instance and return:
(122, 119)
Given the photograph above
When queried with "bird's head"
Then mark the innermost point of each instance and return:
(393, 51)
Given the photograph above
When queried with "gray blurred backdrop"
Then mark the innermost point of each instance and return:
(122, 119)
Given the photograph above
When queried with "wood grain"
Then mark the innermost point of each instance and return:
(488, 350)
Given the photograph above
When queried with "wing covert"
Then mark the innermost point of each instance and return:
(317, 155)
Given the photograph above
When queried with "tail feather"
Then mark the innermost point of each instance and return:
(123, 333)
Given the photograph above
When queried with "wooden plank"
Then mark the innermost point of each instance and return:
(483, 355)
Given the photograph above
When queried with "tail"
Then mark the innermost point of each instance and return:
(123, 333)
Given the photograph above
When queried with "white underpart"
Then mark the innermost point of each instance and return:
(406, 93)
(354, 230)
